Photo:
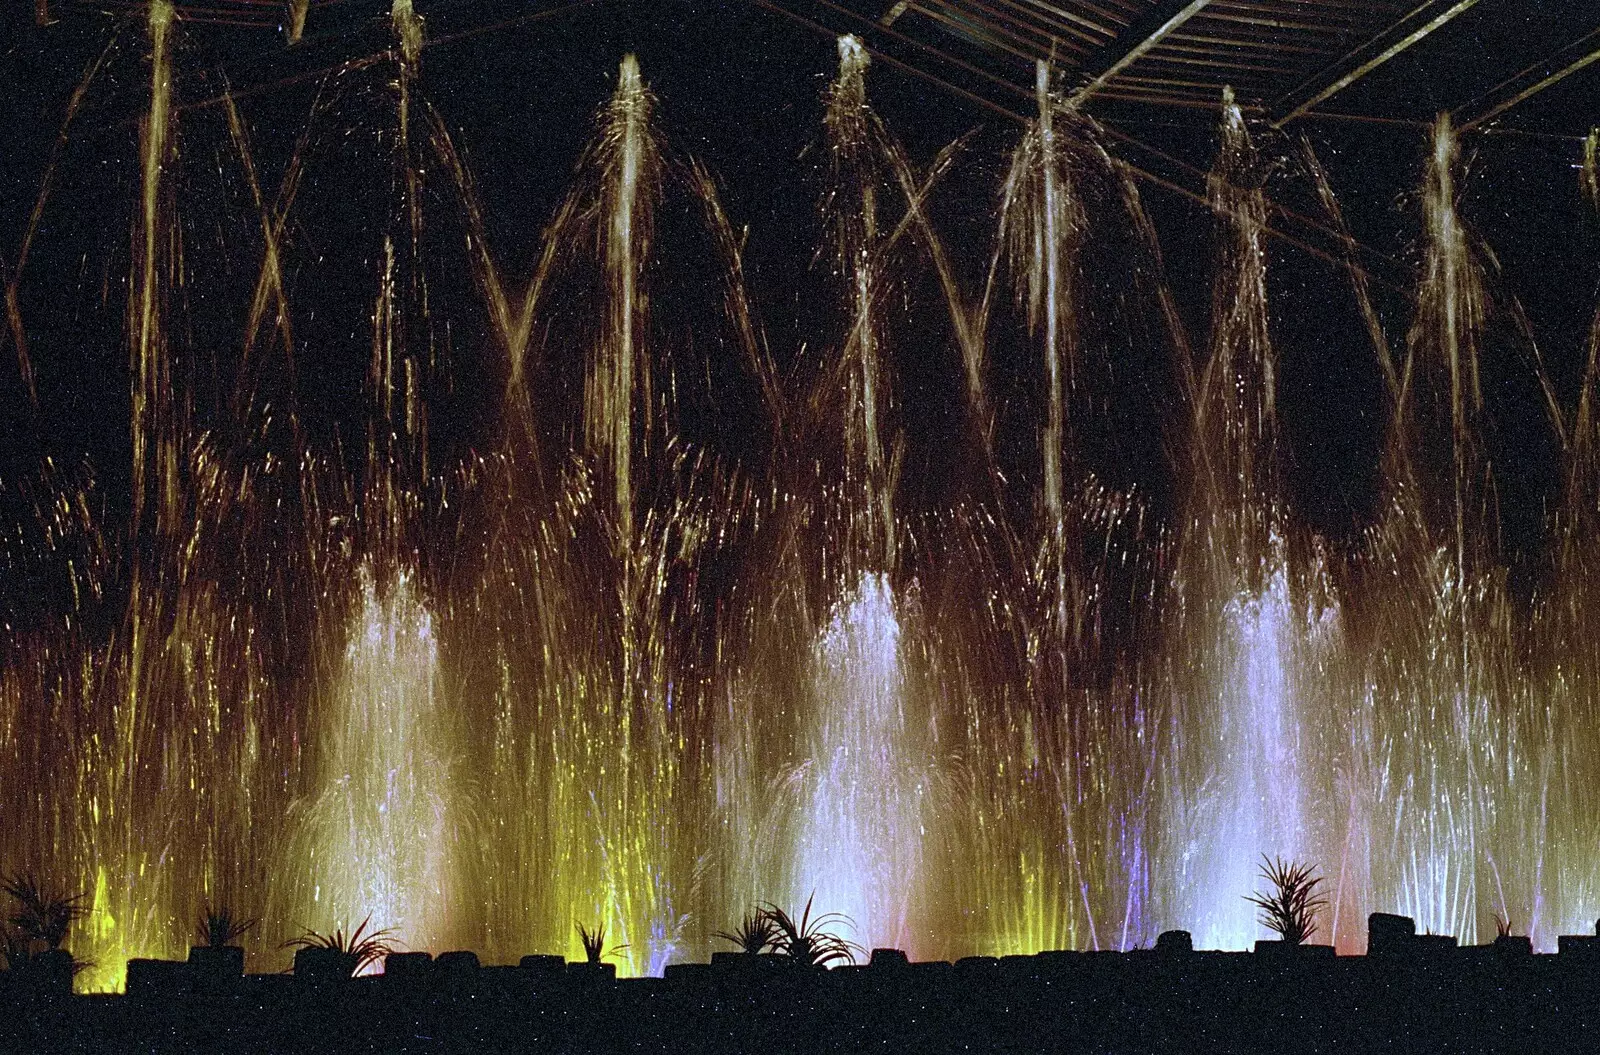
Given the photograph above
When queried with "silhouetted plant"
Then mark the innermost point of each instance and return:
(362, 946)
(755, 934)
(1502, 925)
(219, 926)
(40, 915)
(809, 942)
(594, 944)
(1290, 910)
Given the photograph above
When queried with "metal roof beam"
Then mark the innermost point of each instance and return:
(1022, 116)
(1530, 82)
(1133, 43)
(1339, 75)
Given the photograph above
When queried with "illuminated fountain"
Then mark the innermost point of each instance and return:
(1459, 729)
(1567, 776)
(1239, 740)
(600, 670)
(859, 828)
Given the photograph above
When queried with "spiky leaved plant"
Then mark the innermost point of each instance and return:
(361, 945)
(40, 915)
(1502, 925)
(1290, 910)
(220, 927)
(808, 942)
(755, 934)
(594, 944)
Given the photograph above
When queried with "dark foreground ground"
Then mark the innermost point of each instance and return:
(1444, 1000)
